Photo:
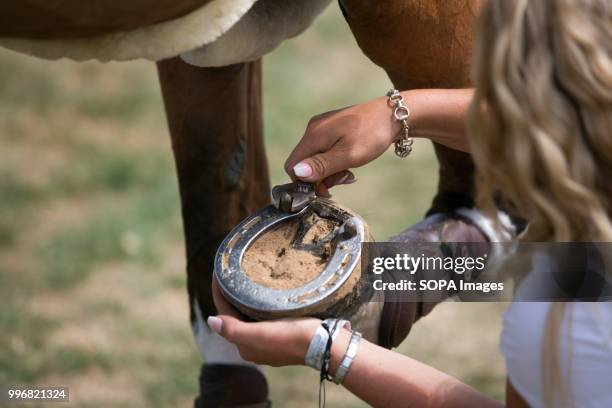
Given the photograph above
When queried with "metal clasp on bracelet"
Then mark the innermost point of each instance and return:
(401, 113)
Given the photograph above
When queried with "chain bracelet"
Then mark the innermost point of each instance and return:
(401, 113)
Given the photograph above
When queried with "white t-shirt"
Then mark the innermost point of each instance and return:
(586, 333)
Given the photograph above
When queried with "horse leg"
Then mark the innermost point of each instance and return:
(214, 116)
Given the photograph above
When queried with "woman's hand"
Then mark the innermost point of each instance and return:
(346, 138)
(380, 377)
(342, 139)
(276, 343)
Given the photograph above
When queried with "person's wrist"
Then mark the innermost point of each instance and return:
(303, 342)
(412, 100)
(338, 349)
(394, 127)
(419, 101)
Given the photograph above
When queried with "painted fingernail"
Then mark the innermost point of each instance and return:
(342, 179)
(302, 169)
(347, 179)
(215, 323)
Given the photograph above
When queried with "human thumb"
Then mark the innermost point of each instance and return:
(319, 166)
(229, 327)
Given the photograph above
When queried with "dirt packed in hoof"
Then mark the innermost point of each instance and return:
(292, 254)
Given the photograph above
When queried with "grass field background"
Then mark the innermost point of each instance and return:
(91, 250)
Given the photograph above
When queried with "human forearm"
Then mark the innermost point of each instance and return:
(439, 115)
(379, 376)
(384, 378)
(351, 137)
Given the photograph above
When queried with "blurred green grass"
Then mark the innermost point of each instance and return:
(91, 252)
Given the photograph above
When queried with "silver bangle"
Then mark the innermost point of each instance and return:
(316, 348)
(336, 325)
(351, 352)
(401, 113)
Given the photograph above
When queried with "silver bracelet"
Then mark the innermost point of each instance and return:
(316, 348)
(351, 352)
(336, 325)
(401, 113)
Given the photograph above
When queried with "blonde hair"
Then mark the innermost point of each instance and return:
(541, 130)
(541, 119)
